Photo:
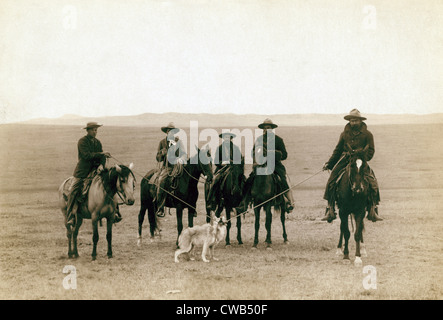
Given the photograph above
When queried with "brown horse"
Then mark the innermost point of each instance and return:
(352, 195)
(184, 195)
(118, 182)
(229, 196)
(264, 191)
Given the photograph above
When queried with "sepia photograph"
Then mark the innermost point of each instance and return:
(237, 152)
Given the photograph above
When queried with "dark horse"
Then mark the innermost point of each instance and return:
(264, 188)
(183, 196)
(352, 195)
(111, 184)
(231, 194)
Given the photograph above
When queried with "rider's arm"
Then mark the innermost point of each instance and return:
(86, 151)
(161, 152)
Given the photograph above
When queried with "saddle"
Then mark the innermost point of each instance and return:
(85, 189)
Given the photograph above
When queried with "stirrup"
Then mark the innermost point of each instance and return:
(374, 216)
(328, 215)
(161, 213)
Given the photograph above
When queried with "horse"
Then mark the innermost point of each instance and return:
(184, 196)
(351, 197)
(117, 181)
(231, 183)
(264, 193)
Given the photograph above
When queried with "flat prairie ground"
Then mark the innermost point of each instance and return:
(405, 250)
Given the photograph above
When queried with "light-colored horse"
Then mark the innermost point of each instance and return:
(111, 185)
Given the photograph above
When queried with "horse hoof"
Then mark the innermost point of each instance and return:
(228, 245)
(346, 261)
(339, 252)
(139, 243)
(286, 242)
(363, 252)
(358, 262)
(254, 247)
(110, 256)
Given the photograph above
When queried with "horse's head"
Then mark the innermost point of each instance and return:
(356, 176)
(203, 161)
(125, 183)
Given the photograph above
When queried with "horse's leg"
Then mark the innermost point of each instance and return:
(95, 236)
(153, 222)
(339, 251)
(69, 235)
(344, 228)
(74, 236)
(228, 226)
(283, 220)
(357, 236)
(191, 217)
(257, 226)
(362, 244)
(239, 229)
(109, 223)
(268, 225)
(179, 212)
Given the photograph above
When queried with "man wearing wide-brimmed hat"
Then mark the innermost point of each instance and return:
(276, 150)
(90, 157)
(360, 139)
(170, 152)
(227, 153)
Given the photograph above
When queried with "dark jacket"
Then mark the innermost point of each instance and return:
(357, 140)
(221, 154)
(279, 147)
(163, 148)
(89, 157)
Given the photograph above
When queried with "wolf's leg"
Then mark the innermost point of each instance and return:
(204, 251)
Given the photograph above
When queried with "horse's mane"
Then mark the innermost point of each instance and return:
(109, 177)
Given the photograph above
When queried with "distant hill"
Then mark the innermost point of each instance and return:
(235, 120)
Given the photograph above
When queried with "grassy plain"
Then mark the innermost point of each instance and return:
(406, 249)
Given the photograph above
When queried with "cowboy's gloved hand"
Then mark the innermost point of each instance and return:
(325, 166)
(180, 160)
(106, 154)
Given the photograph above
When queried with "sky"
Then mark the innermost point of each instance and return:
(113, 57)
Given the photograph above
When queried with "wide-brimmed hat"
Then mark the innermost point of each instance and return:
(223, 134)
(92, 125)
(170, 126)
(354, 114)
(267, 122)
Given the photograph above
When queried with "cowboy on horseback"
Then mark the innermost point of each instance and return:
(170, 153)
(227, 153)
(274, 147)
(355, 139)
(90, 157)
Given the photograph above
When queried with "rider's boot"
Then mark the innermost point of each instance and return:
(330, 214)
(289, 201)
(117, 216)
(373, 214)
(72, 216)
